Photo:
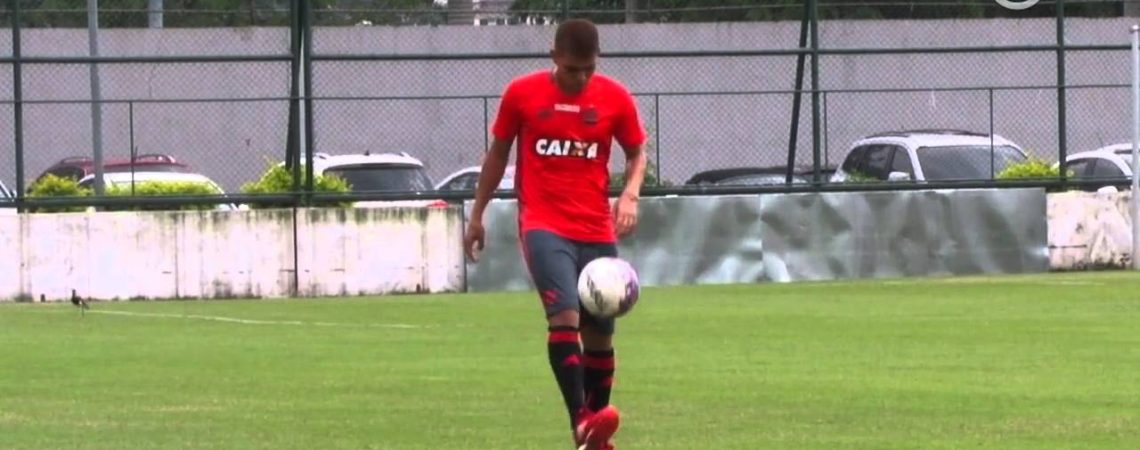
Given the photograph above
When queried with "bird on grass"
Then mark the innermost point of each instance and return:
(78, 301)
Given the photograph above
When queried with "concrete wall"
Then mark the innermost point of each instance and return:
(230, 141)
(812, 236)
(1090, 230)
(219, 254)
(375, 251)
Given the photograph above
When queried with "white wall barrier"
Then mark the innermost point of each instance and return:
(220, 254)
(373, 251)
(811, 236)
(1089, 230)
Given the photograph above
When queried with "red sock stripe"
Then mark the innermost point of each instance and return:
(563, 337)
(595, 362)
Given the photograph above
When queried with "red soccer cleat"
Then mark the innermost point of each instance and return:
(595, 430)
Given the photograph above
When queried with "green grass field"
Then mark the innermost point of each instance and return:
(1040, 362)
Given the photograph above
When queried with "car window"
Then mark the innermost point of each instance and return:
(966, 162)
(854, 161)
(901, 162)
(68, 172)
(878, 161)
(1080, 168)
(385, 177)
(461, 183)
(1104, 168)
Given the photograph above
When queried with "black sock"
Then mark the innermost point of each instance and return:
(598, 377)
(566, 361)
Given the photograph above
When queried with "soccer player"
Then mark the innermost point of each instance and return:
(565, 120)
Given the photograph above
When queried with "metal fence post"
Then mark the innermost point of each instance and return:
(307, 62)
(1062, 150)
(826, 148)
(131, 141)
(18, 105)
(293, 137)
(657, 134)
(794, 129)
(814, 18)
(1135, 147)
(990, 92)
(96, 94)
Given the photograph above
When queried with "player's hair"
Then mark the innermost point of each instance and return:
(577, 38)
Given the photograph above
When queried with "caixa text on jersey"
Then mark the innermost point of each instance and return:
(566, 147)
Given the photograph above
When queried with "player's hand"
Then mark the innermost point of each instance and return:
(625, 214)
(473, 240)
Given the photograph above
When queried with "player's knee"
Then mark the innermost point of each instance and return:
(564, 318)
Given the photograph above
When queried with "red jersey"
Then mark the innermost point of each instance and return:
(563, 143)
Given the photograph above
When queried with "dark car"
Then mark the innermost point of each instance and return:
(77, 167)
(756, 176)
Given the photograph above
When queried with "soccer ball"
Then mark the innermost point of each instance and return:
(608, 287)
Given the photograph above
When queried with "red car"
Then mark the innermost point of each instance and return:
(77, 167)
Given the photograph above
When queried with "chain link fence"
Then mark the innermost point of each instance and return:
(211, 88)
(214, 100)
(426, 109)
(7, 108)
(225, 120)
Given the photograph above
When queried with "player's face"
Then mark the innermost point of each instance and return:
(573, 72)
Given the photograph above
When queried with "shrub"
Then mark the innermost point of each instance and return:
(56, 186)
(1032, 169)
(278, 179)
(617, 179)
(860, 177)
(162, 188)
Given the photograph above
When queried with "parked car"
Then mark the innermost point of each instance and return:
(756, 176)
(465, 179)
(1107, 163)
(6, 197)
(929, 155)
(376, 172)
(77, 167)
(124, 180)
(379, 172)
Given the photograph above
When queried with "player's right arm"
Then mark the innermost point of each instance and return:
(508, 121)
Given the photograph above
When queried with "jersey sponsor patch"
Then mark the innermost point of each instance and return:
(567, 107)
(566, 147)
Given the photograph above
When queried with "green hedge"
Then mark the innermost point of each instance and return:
(651, 179)
(159, 189)
(860, 177)
(278, 179)
(56, 186)
(1033, 169)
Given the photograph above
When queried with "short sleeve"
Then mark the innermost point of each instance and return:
(628, 129)
(509, 117)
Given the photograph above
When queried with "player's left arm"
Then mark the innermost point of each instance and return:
(631, 136)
